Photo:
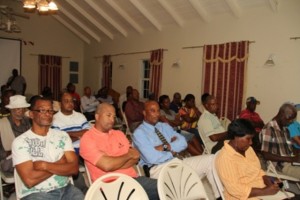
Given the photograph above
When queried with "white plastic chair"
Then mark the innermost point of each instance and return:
(128, 132)
(225, 122)
(88, 174)
(206, 149)
(116, 186)
(5, 179)
(178, 181)
(278, 196)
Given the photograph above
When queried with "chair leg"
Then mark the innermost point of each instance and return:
(1, 188)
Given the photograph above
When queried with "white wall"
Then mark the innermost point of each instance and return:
(270, 31)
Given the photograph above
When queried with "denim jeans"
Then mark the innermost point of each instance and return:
(69, 192)
(149, 185)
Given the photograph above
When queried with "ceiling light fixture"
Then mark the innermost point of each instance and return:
(9, 25)
(42, 6)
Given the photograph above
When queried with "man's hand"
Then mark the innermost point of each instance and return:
(173, 138)
(271, 189)
(40, 165)
(134, 153)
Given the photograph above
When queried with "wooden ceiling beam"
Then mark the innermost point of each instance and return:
(106, 16)
(171, 11)
(91, 19)
(71, 28)
(147, 14)
(79, 23)
(129, 19)
(234, 7)
(197, 5)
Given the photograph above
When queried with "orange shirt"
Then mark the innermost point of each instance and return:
(94, 144)
(239, 174)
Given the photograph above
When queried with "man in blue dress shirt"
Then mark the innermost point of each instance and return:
(157, 150)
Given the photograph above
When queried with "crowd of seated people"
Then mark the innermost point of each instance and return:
(179, 122)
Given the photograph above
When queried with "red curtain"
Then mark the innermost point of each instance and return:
(50, 74)
(156, 64)
(107, 71)
(224, 67)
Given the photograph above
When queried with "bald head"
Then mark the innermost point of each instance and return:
(287, 114)
(151, 112)
(105, 117)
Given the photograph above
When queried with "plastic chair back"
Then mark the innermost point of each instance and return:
(178, 181)
(116, 186)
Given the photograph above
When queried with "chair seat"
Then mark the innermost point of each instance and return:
(7, 177)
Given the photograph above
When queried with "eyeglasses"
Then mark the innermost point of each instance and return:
(45, 111)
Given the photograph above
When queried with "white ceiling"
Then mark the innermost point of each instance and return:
(96, 20)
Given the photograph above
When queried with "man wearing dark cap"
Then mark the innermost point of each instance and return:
(250, 114)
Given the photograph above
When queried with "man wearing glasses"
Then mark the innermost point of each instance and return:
(44, 158)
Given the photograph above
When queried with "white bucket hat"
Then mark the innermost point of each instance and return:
(17, 101)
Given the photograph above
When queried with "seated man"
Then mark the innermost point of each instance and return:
(89, 104)
(210, 126)
(44, 158)
(67, 119)
(159, 144)
(176, 103)
(276, 144)
(134, 110)
(238, 166)
(75, 124)
(107, 150)
(71, 88)
(250, 114)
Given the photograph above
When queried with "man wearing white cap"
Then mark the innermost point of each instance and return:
(13, 126)
(10, 127)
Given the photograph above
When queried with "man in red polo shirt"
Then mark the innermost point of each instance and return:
(250, 114)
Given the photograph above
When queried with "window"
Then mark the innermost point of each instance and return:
(146, 79)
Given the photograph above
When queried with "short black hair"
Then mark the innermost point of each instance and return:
(188, 97)
(204, 96)
(36, 98)
(240, 128)
(162, 98)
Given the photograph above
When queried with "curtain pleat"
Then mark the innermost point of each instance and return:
(224, 67)
(50, 74)
(156, 64)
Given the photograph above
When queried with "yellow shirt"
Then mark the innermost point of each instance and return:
(239, 174)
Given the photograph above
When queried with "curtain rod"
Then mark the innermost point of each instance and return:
(194, 47)
(32, 54)
(130, 53)
(294, 38)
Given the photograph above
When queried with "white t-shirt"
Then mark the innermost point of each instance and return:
(50, 148)
(209, 124)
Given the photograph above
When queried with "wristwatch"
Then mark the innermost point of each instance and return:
(165, 147)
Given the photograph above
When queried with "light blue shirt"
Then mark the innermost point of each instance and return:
(294, 129)
(145, 140)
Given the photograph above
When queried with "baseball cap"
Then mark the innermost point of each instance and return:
(252, 100)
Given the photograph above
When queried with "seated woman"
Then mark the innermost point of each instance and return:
(190, 115)
(169, 116)
(238, 166)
